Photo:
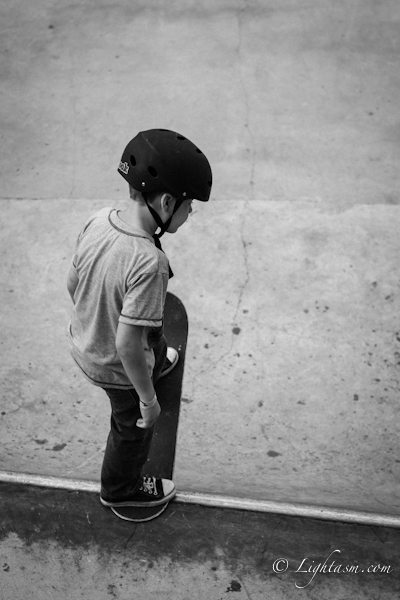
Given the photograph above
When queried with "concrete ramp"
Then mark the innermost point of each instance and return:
(289, 274)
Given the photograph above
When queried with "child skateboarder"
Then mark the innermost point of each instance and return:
(118, 283)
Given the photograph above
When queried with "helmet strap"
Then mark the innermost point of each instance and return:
(163, 226)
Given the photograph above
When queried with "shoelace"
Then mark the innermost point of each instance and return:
(149, 486)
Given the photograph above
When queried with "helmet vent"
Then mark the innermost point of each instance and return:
(199, 151)
(209, 183)
(180, 137)
(133, 160)
(152, 171)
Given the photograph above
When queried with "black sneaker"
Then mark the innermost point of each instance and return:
(152, 492)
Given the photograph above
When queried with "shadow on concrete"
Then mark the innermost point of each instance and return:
(56, 544)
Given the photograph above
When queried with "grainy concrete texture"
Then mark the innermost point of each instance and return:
(289, 274)
(60, 545)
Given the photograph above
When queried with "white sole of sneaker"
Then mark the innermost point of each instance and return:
(173, 357)
(139, 515)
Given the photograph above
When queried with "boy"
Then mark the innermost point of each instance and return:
(118, 284)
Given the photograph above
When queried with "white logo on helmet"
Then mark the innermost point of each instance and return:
(124, 167)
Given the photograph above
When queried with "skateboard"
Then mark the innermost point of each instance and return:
(160, 462)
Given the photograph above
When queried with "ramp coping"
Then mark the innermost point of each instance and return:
(219, 501)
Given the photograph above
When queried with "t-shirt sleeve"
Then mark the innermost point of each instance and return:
(75, 258)
(143, 303)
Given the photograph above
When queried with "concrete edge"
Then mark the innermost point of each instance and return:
(217, 501)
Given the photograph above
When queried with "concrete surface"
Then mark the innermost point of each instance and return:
(63, 545)
(289, 275)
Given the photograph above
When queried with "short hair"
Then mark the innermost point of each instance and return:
(149, 197)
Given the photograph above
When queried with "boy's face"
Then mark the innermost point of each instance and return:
(181, 216)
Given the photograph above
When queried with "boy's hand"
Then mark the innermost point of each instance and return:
(150, 414)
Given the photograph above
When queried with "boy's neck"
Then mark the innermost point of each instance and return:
(138, 215)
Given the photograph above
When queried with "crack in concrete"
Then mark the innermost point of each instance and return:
(267, 544)
(86, 461)
(252, 151)
(125, 545)
(73, 101)
(246, 264)
(240, 15)
(365, 492)
(234, 322)
(249, 596)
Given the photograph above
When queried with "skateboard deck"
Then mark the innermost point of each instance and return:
(160, 462)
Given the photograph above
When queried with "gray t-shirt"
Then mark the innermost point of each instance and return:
(123, 277)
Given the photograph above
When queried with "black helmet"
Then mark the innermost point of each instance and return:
(161, 160)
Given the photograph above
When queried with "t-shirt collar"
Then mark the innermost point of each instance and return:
(120, 225)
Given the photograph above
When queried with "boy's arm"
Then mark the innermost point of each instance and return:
(72, 282)
(129, 346)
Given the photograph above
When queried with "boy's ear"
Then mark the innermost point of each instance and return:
(167, 202)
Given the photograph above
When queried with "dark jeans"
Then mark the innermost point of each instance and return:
(128, 446)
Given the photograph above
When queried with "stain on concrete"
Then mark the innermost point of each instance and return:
(236, 330)
(273, 454)
(59, 447)
(234, 587)
(356, 398)
(112, 590)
